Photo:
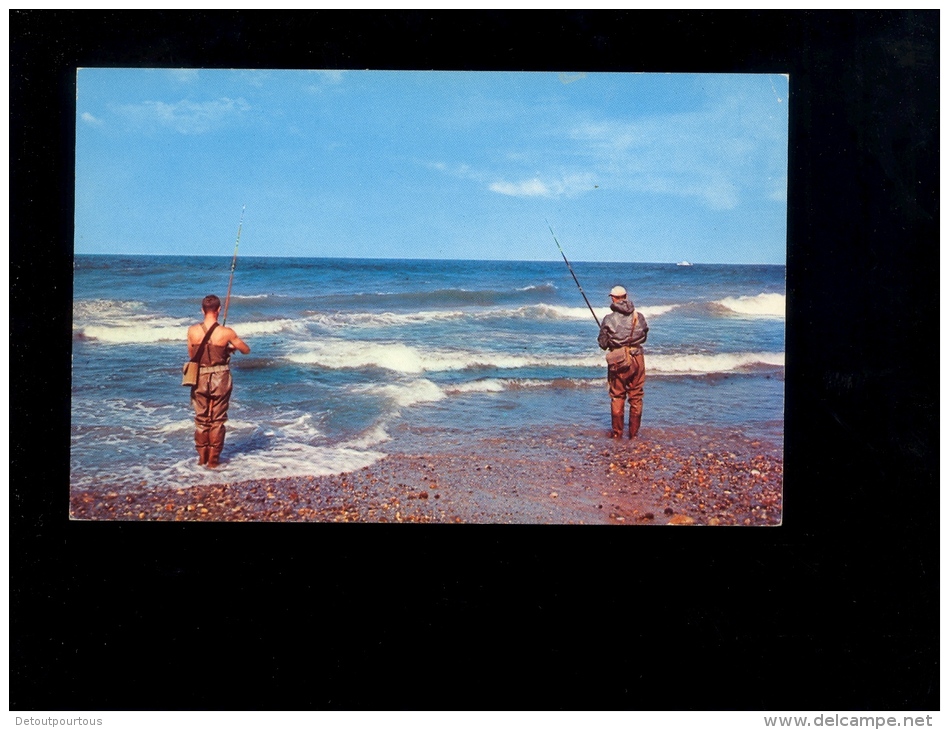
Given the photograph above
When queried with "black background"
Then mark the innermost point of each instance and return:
(836, 609)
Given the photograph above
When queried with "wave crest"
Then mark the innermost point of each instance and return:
(105, 308)
(400, 358)
(712, 363)
(762, 305)
(141, 329)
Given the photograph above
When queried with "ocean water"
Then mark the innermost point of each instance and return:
(350, 356)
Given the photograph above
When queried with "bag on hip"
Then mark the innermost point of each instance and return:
(189, 373)
(619, 360)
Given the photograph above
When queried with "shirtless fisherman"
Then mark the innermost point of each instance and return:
(212, 393)
(625, 328)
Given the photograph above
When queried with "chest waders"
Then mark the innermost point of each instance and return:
(210, 397)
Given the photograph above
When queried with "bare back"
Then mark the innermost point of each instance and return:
(221, 337)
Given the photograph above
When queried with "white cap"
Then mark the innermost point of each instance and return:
(617, 291)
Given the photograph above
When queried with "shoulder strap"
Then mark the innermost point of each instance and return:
(197, 355)
(632, 330)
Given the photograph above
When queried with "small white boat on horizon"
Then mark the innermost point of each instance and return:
(683, 263)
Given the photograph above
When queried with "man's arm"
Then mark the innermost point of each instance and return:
(236, 342)
(603, 339)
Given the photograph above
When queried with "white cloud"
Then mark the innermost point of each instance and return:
(89, 119)
(553, 187)
(187, 117)
(536, 186)
(729, 152)
(525, 189)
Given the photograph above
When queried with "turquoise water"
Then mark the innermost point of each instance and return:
(348, 352)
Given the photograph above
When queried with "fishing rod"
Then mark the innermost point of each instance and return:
(227, 301)
(572, 274)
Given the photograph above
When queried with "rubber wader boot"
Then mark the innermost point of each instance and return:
(616, 409)
(216, 445)
(634, 420)
(214, 457)
(202, 444)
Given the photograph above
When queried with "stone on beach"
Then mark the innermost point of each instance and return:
(692, 477)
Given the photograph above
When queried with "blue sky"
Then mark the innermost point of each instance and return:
(433, 164)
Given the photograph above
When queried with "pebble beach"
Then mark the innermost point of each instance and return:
(671, 476)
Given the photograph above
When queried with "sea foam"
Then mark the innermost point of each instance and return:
(117, 322)
(282, 461)
(762, 305)
(528, 312)
(711, 363)
(553, 311)
(144, 330)
(133, 333)
(406, 394)
(404, 359)
(109, 308)
(371, 437)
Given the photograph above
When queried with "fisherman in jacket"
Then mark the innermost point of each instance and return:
(622, 333)
(211, 395)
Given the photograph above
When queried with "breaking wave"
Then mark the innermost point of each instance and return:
(528, 312)
(712, 363)
(400, 358)
(548, 287)
(405, 394)
(105, 308)
(390, 319)
(372, 437)
(762, 305)
(130, 333)
(406, 360)
(118, 322)
(141, 329)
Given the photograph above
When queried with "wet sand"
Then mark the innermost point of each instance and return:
(678, 476)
